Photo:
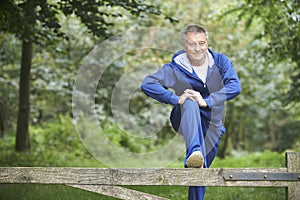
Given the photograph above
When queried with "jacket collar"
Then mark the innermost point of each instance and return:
(181, 59)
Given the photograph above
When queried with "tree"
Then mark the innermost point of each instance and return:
(279, 32)
(37, 22)
(269, 71)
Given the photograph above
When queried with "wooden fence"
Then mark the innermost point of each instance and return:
(109, 181)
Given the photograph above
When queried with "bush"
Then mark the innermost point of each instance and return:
(52, 144)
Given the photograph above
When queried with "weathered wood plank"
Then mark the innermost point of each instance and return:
(293, 165)
(161, 176)
(118, 192)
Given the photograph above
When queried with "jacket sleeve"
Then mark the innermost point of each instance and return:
(157, 84)
(230, 81)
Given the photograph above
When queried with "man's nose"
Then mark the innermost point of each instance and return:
(198, 47)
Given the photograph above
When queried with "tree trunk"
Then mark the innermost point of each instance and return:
(22, 137)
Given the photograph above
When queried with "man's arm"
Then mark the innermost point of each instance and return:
(232, 86)
(156, 85)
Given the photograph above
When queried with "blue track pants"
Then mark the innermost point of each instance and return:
(199, 135)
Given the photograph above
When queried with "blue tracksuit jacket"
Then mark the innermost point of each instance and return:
(222, 84)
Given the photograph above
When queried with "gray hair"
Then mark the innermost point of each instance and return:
(192, 28)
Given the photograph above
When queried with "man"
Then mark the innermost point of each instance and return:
(202, 80)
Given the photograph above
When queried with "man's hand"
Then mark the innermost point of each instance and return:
(183, 97)
(194, 95)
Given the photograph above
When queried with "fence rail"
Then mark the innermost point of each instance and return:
(109, 181)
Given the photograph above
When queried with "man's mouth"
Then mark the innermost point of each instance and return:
(198, 54)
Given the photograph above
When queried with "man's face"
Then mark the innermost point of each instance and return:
(196, 47)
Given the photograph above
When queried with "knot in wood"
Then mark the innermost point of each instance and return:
(162, 179)
(25, 179)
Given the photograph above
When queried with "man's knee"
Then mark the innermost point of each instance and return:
(190, 104)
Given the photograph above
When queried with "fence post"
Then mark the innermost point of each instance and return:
(293, 166)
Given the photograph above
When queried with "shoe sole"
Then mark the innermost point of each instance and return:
(195, 160)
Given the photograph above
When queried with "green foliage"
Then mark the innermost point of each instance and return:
(277, 28)
(256, 120)
(266, 67)
(121, 139)
(133, 142)
(9, 73)
(53, 144)
(38, 20)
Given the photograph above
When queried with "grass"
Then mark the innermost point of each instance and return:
(45, 192)
(57, 192)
